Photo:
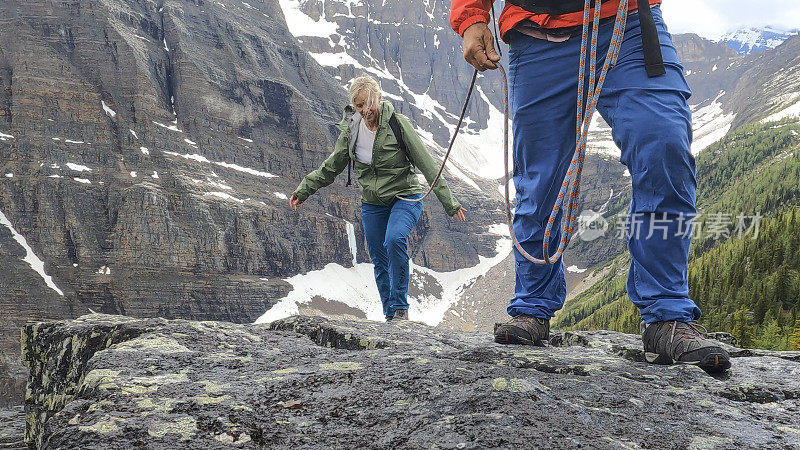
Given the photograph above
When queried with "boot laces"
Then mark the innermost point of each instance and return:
(687, 330)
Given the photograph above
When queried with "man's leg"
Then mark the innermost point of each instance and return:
(374, 218)
(403, 217)
(542, 77)
(651, 123)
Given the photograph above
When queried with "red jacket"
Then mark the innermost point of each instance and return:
(464, 13)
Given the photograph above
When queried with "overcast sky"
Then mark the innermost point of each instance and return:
(713, 18)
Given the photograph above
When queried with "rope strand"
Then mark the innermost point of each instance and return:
(452, 140)
(570, 188)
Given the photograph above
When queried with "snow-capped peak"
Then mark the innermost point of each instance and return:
(749, 40)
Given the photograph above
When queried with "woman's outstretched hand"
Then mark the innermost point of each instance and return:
(295, 202)
(460, 214)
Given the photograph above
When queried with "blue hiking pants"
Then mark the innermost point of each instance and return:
(650, 122)
(386, 229)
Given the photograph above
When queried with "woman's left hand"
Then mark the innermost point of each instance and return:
(460, 214)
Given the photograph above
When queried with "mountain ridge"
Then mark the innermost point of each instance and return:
(756, 39)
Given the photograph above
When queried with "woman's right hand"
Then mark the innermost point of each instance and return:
(295, 202)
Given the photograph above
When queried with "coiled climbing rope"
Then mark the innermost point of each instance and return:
(586, 104)
(571, 186)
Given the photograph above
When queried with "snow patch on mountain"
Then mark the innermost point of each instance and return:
(301, 24)
(481, 151)
(355, 287)
(599, 138)
(792, 110)
(110, 112)
(236, 167)
(710, 124)
(30, 257)
(351, 240)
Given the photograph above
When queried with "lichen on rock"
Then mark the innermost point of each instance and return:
(310, 382)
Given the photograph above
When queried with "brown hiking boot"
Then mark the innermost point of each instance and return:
(682, 343)
(524, 330)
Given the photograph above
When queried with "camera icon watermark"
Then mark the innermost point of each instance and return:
(591, 225)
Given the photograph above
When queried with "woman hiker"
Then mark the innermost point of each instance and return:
(385, 172)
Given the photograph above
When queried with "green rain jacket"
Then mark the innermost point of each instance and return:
(390, 173)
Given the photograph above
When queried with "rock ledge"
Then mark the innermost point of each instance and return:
(115, 382)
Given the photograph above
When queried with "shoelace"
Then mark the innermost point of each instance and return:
(528, 319)
(693, 326)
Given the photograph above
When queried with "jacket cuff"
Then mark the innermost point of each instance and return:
(300, 194)
(469, 21)
(454, 210)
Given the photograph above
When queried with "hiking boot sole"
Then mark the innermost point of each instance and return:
(714, 362)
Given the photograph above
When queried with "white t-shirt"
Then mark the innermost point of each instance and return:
(364, 143)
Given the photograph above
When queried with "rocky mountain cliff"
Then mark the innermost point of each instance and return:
(110, 381)
(147, 150)
(730, 90)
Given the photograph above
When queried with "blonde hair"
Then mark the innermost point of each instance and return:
(365, 83)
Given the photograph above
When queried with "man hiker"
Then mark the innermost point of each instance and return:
(644, 100)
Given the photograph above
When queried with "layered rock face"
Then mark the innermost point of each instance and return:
(109, 381)
(749, 87)
(410, 48)
(147, 150)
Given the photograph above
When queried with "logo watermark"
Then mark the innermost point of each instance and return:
(592, 225)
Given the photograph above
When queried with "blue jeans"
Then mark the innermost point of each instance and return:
(386, 229)
(650, 122)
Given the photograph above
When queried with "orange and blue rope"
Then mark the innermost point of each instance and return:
(570, 188)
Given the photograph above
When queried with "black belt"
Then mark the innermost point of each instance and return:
(653, 61)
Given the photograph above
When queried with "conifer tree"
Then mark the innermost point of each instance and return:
(794, 338)
(770, 336)
(742, 329)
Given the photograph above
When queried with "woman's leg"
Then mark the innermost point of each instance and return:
(374, 218)
(404, 215)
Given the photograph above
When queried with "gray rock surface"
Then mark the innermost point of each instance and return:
(241, 90)
(12, 428)
(115, 382)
